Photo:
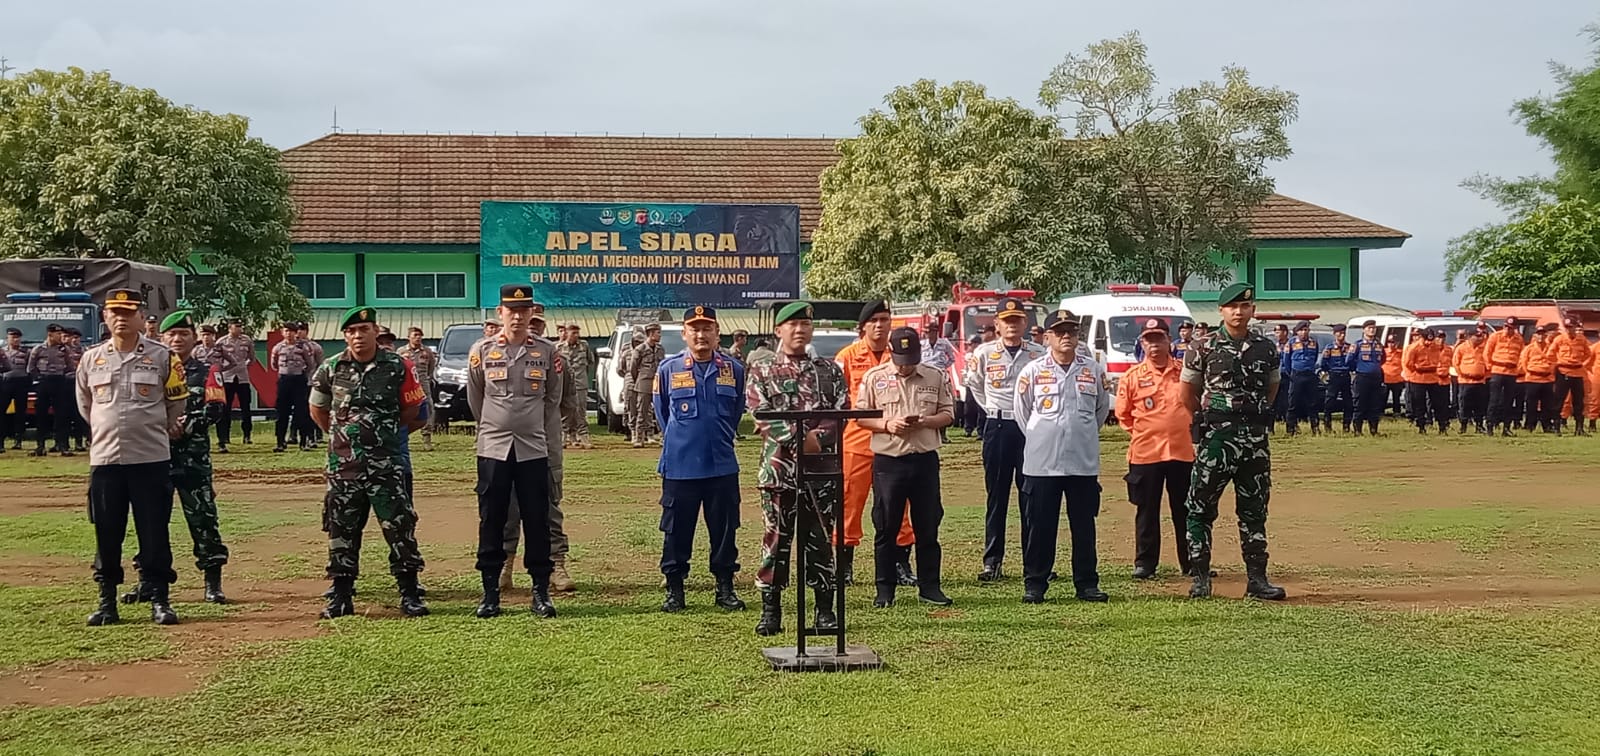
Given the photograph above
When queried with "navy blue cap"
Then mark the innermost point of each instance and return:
(1338, 328)
(1011, 307)
(699, 314)
(1064, 319)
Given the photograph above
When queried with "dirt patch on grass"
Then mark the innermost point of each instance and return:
(52, 494)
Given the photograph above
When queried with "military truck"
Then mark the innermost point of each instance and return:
(68, 293)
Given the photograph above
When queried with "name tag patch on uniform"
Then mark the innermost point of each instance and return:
(1087, 376)
(1146, 383)
(682, 380)
(1045, 377)
(725, 380)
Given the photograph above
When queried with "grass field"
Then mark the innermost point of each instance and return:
(1444, 599)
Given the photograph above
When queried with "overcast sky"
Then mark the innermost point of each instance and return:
(1398, 100)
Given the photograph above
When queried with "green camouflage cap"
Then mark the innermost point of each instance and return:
(1237, 292)
(793, 311)
(357, 316)
(179, 319)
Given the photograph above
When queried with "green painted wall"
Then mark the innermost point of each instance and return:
(421, 262)
(1332, 258)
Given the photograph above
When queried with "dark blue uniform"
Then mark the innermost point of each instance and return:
(1367, 363)
(1299, 363)
(698, 406)
(1336, 363)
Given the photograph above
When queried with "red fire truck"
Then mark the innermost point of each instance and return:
(962, 318)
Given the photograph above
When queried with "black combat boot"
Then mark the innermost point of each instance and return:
(771, 622)
(674, 601)
(106, 614)
(214, 586)
(339, 601)
(160, 610)
(847, 567)
(1201, 566)
(410, 601)
(541, 598)
(1258, 587)
(825, 618)
(726, 598)
(885, 597)
(902, 571)
(490, 605)
(990, 573)
(928, 589)
(140, 593)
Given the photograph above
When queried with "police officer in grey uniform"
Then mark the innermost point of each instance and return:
(50, 365)
(132, 392)
(560, 579)
(508, 380)
(991, 383)
(1062, 400)
(14, 386)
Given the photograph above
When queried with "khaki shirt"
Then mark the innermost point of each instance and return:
(512, 389)
(236, 355)
(129, 401)
(291, 359)
(924, 393)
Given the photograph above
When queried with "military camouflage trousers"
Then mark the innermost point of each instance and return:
(344, 516)
(191, 478)
(1240, 455)
(780, 515)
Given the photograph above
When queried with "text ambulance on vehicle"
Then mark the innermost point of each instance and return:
(960, 319)
(1110, 323)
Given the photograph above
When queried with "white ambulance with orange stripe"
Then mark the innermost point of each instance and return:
(1110, 323)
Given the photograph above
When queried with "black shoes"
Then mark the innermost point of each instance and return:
(991, 573)
(885, 597)
(674, 601)
(280, 448)
(903, 574)
(214, 586)
(411, 604)
(933, 595)
(1033, 596)
(489, 606)
(1142, 572)
(726, 598)
(160, 610)
(771, 621)
(541, 599)
(1093, 594)
(106, 614)
(340, 603)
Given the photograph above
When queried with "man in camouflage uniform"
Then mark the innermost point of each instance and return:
(793, 381)
(426, 362)
(365, 398)
(624, 368)
(191, 461)
(574, 417)
(643, 362)
(1233, 379)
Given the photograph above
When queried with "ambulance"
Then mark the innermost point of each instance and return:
(1110, 323)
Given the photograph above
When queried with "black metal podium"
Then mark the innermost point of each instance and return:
(816, 470)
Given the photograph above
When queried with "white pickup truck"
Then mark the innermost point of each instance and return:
(612, 408)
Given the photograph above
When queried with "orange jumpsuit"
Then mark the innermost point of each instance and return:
(1592, 386)
(1572, 356)
(1538, 368)
(855, 360)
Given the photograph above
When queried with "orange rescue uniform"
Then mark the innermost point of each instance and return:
(1538, 364)
(1420, 363)
(1393, 371)
(1470, 364)
(1150, 406)
(855, 360)
(1592, 389)
(1504, 351)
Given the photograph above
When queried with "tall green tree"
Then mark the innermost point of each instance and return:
(1568, 124)
(90, 167)
(948, 184)
(1192, 162)
(1552, 252)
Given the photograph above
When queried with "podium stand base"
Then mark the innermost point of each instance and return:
(822, 659)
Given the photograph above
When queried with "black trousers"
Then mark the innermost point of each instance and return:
(231, 393)
(1474, 400)
(1538, 401)
(681, 504)
(1568, 387)
(1502, 392)
(1368, 390)
(146, 490)
(531, 482)
(1145, 484)
(1042, 498)
(1421, 397)
(292, 394)
(1443, 409)
(1303, 404)
(53, 409)
(1395, 391)
(14, 390)
(1002, 468)
(972, 417)
(1338, 400)
(898, 482)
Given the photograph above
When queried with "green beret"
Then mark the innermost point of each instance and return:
(179, 319)
(793, 311)
(1237, 292)
(357, 316)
